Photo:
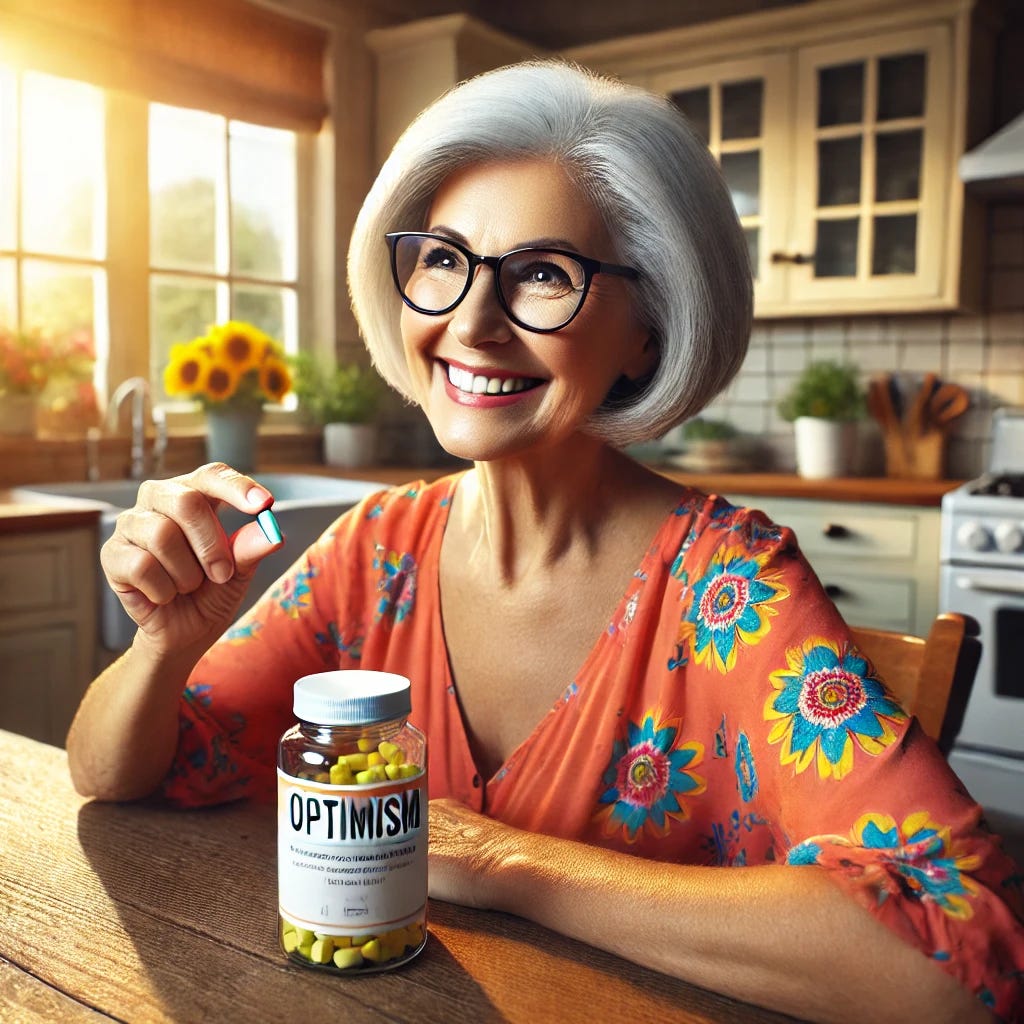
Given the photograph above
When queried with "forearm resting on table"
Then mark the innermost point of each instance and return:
(780, 937)
(124, 735)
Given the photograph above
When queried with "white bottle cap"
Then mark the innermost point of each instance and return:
(351, 697)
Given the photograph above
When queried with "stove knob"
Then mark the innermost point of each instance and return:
(974, 536)
(1009, 537)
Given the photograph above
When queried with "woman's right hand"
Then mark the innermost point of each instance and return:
(175, 571)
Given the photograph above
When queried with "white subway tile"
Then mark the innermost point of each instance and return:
(1006, 357)
(964, 357)
(922, 358)
(1006, 325)
(967, 328)
(1008, 388)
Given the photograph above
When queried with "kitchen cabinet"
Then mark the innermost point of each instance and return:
(879, 563)
(837, 126)
(47, 629)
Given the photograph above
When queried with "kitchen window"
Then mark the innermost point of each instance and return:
(84, 171)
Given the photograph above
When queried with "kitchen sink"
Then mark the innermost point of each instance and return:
(304, 504)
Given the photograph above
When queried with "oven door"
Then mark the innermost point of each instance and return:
(995, 598)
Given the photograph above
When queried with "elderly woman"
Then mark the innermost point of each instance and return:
(627, 686)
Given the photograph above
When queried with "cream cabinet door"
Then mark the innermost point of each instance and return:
(739, 110)
(872, 171)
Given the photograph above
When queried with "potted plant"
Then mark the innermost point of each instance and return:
(711, 446)
(824, 405)
(343, 400)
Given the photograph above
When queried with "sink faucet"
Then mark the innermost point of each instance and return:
(137, 389)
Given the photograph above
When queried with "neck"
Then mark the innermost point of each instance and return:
(533, 513)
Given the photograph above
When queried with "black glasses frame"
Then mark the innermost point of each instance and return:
(474, 260)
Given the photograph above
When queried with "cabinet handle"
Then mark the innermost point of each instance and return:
(796, 258)
(836, 531)
(834, 591)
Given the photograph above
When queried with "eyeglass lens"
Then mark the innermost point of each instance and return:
(540, 288)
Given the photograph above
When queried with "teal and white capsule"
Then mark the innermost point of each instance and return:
(268, 524)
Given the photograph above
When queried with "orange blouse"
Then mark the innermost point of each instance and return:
(723, 717)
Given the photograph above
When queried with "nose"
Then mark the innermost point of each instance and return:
(479, 319)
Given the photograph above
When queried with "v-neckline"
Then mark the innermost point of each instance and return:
(640, 573)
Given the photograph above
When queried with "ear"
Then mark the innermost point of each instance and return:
(642, 364)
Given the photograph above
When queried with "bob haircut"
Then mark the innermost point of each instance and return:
(652, 180)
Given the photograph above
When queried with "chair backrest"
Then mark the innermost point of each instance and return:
(933, 675)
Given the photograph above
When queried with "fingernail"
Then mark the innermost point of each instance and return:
(221, 571)
(257, 495)
(268, 524)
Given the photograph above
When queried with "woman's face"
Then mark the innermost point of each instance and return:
(558, 379)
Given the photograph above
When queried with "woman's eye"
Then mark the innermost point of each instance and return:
(544, 275)
(440, 257)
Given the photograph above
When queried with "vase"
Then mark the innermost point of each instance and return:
(18, 414)
(232, 436)
(350, 445)
(824, 448)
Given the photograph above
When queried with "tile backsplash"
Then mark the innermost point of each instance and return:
(983, 352)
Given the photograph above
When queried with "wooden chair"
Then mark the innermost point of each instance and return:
(932, 676)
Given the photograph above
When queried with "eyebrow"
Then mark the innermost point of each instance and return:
(545, 242)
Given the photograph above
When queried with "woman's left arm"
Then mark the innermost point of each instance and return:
(781, 937)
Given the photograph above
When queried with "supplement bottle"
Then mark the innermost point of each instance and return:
(352, 824)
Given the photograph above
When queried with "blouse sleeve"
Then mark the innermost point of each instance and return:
(238, 700)
(849, 781)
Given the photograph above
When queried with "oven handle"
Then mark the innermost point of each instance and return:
(1001, 584)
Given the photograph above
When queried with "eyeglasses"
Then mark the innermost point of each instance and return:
(540, 290)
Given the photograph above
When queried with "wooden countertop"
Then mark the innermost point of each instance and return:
(19, 514)
(141, 913)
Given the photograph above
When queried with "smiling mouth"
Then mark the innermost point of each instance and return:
(477, 384)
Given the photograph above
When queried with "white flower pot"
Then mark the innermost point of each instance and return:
(824, 448)
(350, 445)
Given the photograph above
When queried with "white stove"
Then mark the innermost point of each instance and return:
(982, 575)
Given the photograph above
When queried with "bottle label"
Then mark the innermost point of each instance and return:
(351, 860)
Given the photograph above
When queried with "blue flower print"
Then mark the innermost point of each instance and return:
(732, 604)
(746, 773)
(333, 642)
(293, 594)
(243, 631)
(646, 778)
(396, 584)
(826, 703)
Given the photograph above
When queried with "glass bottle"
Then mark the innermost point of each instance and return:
(352, 824)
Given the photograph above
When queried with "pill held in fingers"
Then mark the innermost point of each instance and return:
(268, 524)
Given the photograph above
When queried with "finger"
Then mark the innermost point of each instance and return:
(249, 545)
(133, 569)
(163, 538)
(191, 501)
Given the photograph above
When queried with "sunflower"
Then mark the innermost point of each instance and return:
(220, 381)
(187, 368)
(275, 378)
(240, 345)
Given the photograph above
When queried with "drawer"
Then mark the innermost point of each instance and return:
(881, 603)
(34, 577)
(846, 533)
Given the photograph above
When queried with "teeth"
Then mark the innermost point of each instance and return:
(477, 384)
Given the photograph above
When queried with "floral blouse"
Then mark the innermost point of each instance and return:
(723, 717)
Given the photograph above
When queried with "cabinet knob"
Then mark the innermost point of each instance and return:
(834, 591)
(796, 258)
(836, 531)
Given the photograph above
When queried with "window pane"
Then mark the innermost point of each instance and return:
(901, 86)
(187, 176)
(696, 106)
(835, 250)
(838, 171)
(180, 309)
(60, 298)
(8, 293)
(62, 181)
(841, 95)
(8, 157)
(741, 109)
(263, 201)
(898, 167)
(742, 172)
(895, 248)
(269, 309)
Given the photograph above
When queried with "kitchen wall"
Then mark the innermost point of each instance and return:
(984, 352)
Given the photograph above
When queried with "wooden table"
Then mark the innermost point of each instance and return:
(143, 914)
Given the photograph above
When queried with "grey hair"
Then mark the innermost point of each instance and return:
(655, 185)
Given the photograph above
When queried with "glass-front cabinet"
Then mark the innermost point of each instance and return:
(872, 161)
(837, 126)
